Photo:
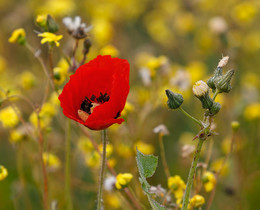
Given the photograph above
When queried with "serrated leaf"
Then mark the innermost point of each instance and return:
(147, 164)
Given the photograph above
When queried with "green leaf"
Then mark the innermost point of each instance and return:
(147, 164)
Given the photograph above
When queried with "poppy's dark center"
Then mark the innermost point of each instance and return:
(88, 104)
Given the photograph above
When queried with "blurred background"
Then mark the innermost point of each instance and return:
(169, 45)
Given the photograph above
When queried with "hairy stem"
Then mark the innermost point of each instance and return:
(102, 171)
(191, 175)
(68, 199)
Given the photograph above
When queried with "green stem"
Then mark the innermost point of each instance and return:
(188, 115)
(162, 150)
(215, 95)
(191, 175)
(68, 199)
(102, 171)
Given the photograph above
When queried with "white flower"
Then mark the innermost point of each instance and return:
(181, 80)
(109, 183)
(77, 29)
(161, 129)
(145, 76)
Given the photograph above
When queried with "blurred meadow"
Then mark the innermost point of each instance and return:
(169, 45)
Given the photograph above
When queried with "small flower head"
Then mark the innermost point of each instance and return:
(161, 129)
(26, 80)
(41, 20)
(252, 112)
(200, 88)
(51, 160)
(144, 147)
(109, 183)
(197, 201)
(235, 125)
(177, 185)
(223, 62)
(18, 36)
(8, 117)
(51, 38)
(3, 173)
(175, 100)
(209, 181)
(223, 82)
(122, 180)
(77, 29)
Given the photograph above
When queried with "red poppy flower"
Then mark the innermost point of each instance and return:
(96, 94)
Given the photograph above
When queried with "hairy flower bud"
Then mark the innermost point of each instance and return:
(52, 26)
(175, 100)
(211, 81)
(201, 91)
(223, 83)
(215, 108)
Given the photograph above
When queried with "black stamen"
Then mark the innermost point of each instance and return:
(88, 103)
(117, 115)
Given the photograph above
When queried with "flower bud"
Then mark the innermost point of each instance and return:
(41, 21)
(235, 126)
(18, 36)
(223, 82)
(122, 180)
(215, 108)
(87, 45)
(201, 91)
(175, 100)
(52, 25)
(211, 81)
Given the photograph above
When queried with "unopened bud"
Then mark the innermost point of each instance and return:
(235, 126)
(175, 100)
(211, 81)
(223, 62)
(87, 45)
(215, 108)
(223, 83)
(52, 25)
(41, 21)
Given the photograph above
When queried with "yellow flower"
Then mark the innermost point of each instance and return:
(50, 37)
(93, 159)
(85, 145)
(113, 201)
(109, 50)
(8, 117)
(244, 12)
(129, 107)
(197, 71)
(122, 180)
(18, 35)
(109, 149)
(16, 136)
(144, 147)
(209, 181)
(51, 160)
(252, 111)
(217, 164)
(60, 75)
(3, 173)
(200, 88)
(103, 31)
(124, 150)
(177, 185)
(197, 201)
(41, 20)
(26, 80)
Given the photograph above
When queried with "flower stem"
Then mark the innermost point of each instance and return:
(102, 171)
(188, 115)
(67, 167)
(165, 165)
(215, 95)
(191, 175)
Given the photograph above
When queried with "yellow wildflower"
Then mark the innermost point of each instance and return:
(217, 164)
(18, 35)
(113, 201)
(103, 31)
(209, 181)
(109, 50)
(26, 80)
(197, 71)
(54, 99)
(41, 20)
(16, 136)
(129, 107)
(51, 160)
(60, 75)
(3, 172)
(252, 111)
(144, 147)
(124, 150)
(122, 180)
(109, 149)
(85, 145)
(197, 201)
(244, 12)
(93, 159)
(177, 185)
(8, 117)
(50, 37)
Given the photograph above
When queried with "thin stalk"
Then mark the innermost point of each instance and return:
(162, 151)
(191, 175)
(215, 94)
(102, 171)
(68, 199)
(188, 115)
